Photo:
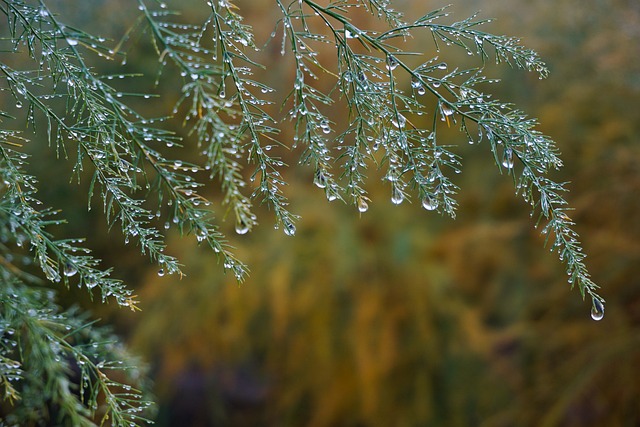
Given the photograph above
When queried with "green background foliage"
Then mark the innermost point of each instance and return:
(397, 316)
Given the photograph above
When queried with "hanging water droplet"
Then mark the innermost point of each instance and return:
(396, 196)
(442, 66)
(392, 62)
(289, 228)
(90, 282)
(18, 104)
(421, 90)
(430, 203)
(416, 83)
(50, 272)
(70, 269)
(320, 180)
(507, 160)
(597, 309)
(399, 121)
(241, 226)
(363, 206)
(72, 42)
(161, 272)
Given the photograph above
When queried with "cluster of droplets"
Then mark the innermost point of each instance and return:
(325, 127)
(417, 85)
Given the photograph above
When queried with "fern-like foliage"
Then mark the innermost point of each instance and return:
(226, 112)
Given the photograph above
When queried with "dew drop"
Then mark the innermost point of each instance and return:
(70, 269)
(392, 63)
(161, 272)
(241, 226)
(363, 206)
(289, 228)
(18, 104)
(320, 180)
(430, 203)
(90, 282)
(399, 121)
(507, 160)
(597, 310)
(72, 42)
(396, 196)
(421, 90)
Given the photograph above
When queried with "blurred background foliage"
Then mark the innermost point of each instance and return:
(397, 317)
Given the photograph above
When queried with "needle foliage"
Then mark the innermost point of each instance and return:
(55, 364)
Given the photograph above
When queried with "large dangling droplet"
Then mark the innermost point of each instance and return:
(241, 226)
(90, 282)
(70, 269)
(430, 203)
(597, 309)
(320, 180)
(396, 196)
(507, 160)
(363, 206)
(392, 63)
(289, 228)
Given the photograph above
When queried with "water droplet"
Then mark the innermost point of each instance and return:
(399, 121)
(90, 282)
(392, 62)
(50, 272)
(289, 228)
(396, 196)
(241, 226)
(415, 83)
(507, 160)
(421, 90)
(320, 180)
(363, 206)
(18, 104)
(597, 310)
(430, 203)
(70, 269)
(161, 272)
(72, 42)
(442, 66)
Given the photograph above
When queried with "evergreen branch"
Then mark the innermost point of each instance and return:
(509, 131)
(55, 358)
(57, 258)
